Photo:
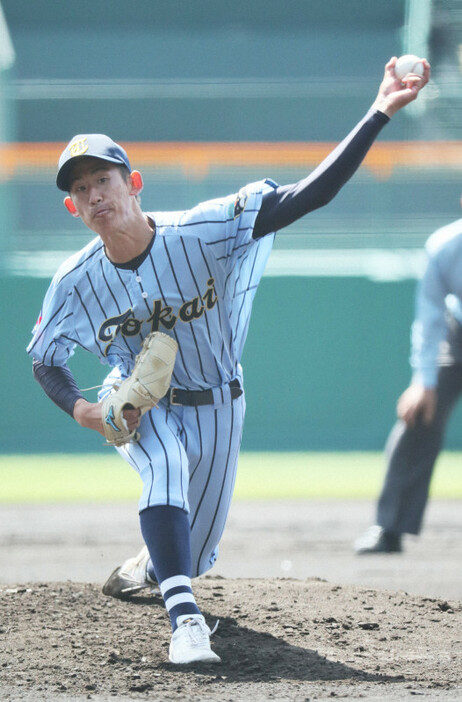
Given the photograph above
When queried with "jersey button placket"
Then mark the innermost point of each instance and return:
(138, 279)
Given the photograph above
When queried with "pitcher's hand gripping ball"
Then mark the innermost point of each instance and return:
(409, 63)
(148, 383)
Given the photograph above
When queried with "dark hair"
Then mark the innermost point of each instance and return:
(124, 171)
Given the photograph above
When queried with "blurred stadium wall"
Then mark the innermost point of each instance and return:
(208, 96)
(7, 119)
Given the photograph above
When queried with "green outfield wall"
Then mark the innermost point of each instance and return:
(324, 363)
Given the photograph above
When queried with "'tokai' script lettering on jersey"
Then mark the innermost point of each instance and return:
(128, 325)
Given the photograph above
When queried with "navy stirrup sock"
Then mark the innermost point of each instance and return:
(166, 533)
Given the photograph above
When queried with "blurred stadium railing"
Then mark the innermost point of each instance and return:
(387, 211)
(404, 190)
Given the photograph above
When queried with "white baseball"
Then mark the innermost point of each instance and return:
(408, 64)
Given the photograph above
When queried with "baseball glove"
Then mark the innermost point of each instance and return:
(142, 390)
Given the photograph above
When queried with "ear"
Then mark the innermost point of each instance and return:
(137, 182)
(70, 207)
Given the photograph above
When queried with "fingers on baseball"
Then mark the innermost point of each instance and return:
(413, 81)
(416, 82)
(390, 66)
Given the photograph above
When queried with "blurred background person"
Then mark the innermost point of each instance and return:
(425, 406)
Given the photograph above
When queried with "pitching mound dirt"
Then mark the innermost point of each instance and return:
(279, 639)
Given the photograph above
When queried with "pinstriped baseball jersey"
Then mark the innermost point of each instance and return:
(197, 284)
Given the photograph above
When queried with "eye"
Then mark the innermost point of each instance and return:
(103, 179)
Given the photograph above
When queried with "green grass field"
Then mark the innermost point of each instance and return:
(100, 478)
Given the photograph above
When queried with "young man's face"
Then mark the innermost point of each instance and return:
(100, 193)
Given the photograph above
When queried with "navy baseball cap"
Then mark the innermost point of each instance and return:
(83, 145)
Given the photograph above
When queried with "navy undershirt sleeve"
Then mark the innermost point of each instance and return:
(287, 203)
(59, 384)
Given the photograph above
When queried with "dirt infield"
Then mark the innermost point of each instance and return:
(301, 617)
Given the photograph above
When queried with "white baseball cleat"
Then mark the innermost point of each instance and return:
(191, 641)
(130, 578)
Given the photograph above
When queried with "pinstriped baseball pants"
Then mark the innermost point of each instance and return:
(187, 457)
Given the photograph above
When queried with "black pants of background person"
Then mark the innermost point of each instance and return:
(412, 452)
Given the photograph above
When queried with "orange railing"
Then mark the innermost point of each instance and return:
(196, 159)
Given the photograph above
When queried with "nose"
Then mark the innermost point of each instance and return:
(95, 195)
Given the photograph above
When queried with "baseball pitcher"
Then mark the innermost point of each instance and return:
(164, 299)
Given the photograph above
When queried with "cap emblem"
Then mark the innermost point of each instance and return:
(79, 147)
